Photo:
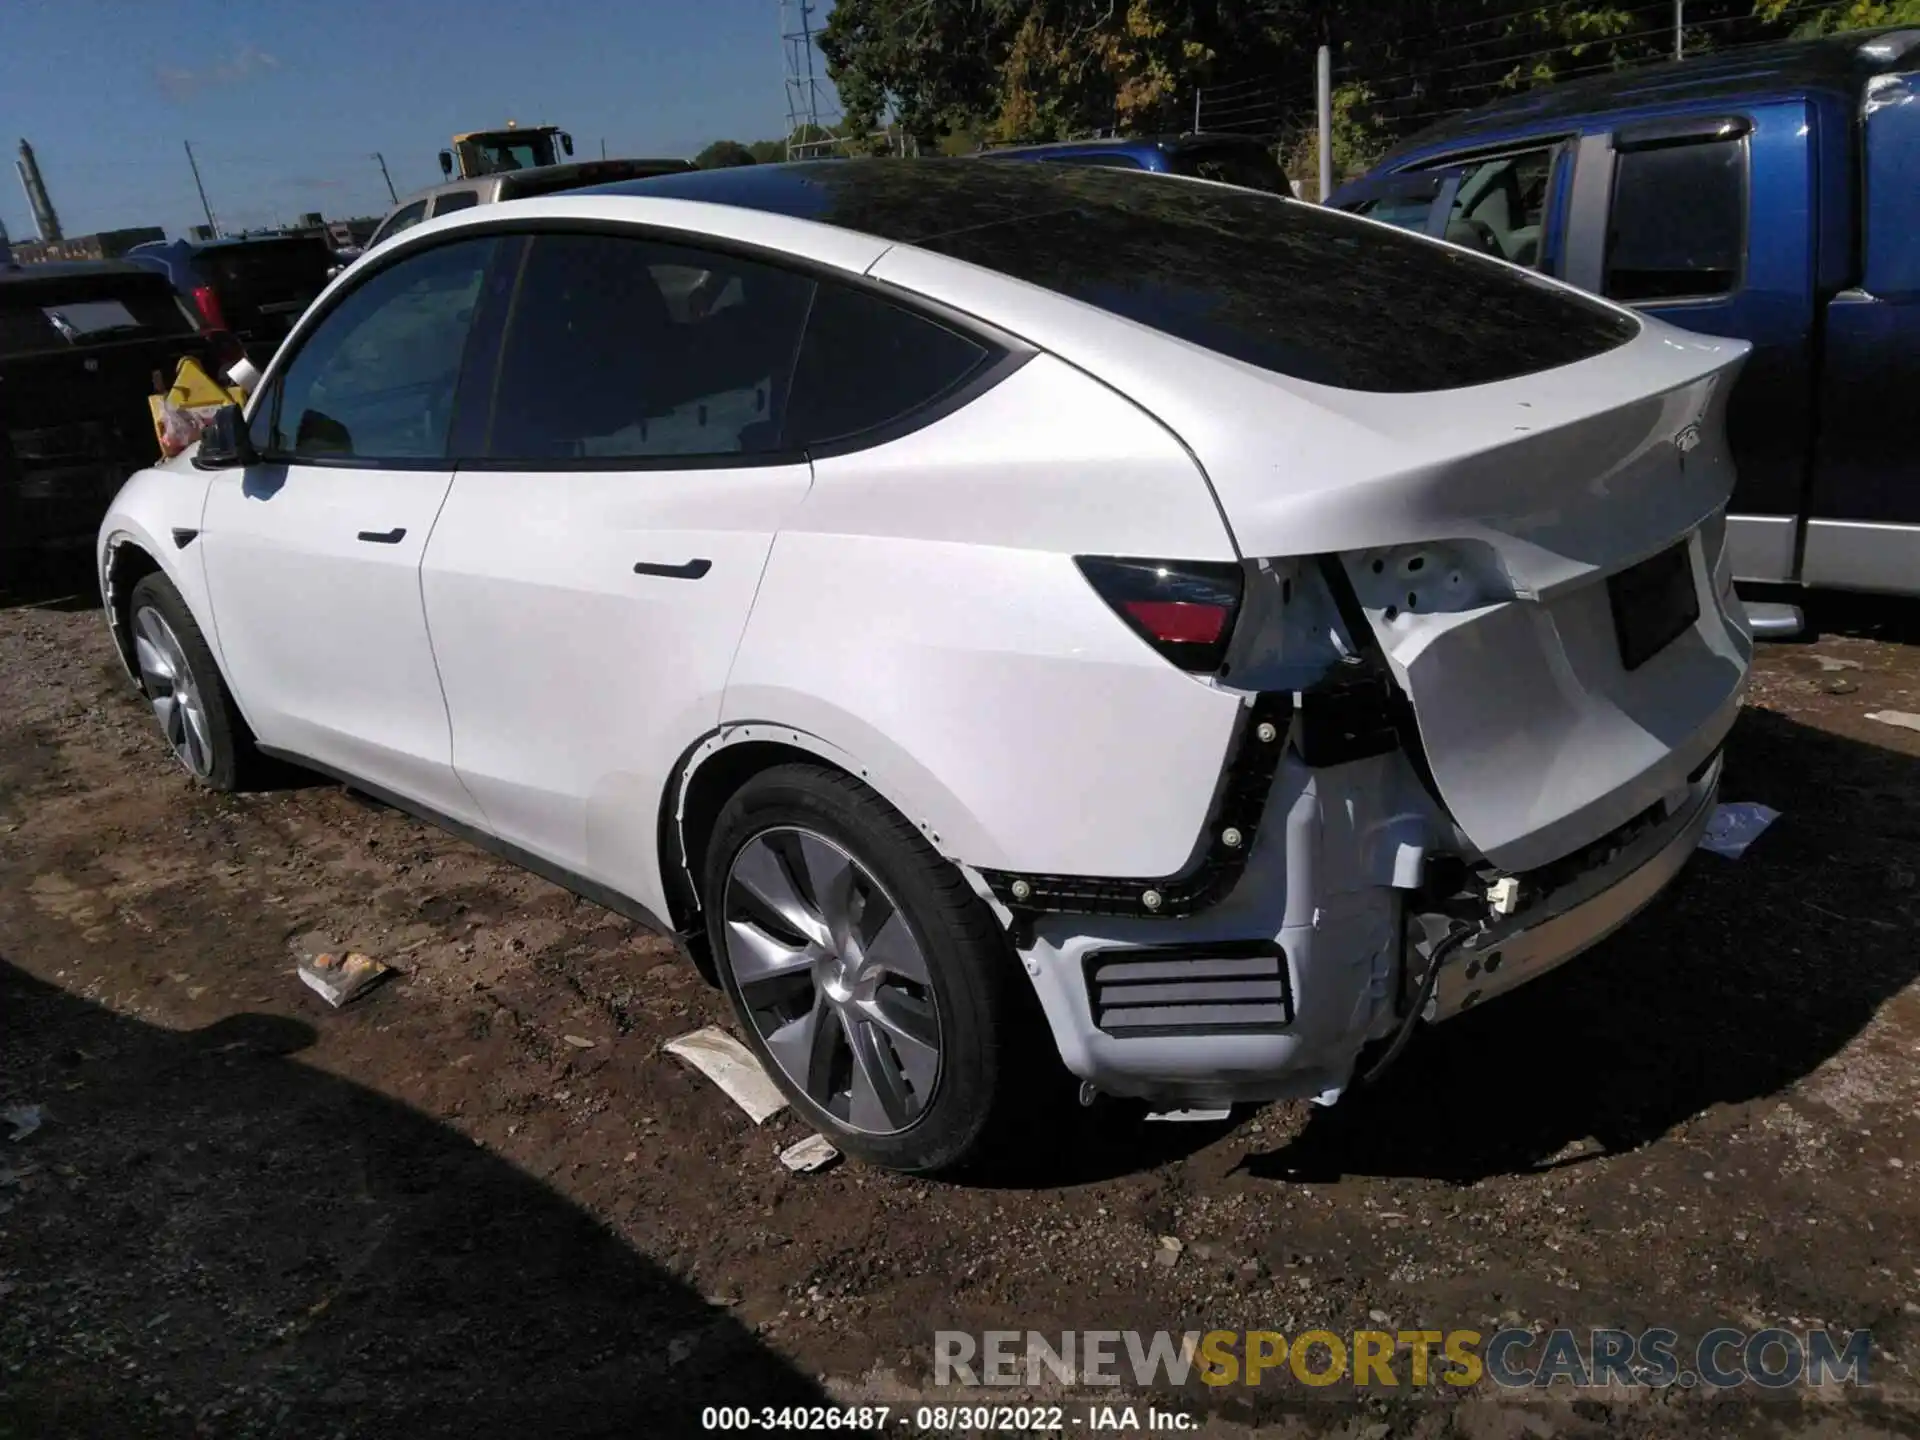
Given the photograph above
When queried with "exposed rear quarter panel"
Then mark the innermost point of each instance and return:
(922, 612)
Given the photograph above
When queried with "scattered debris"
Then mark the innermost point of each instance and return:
(731, 1066)
(10, 1176)
(338, 979)
(1896, 717)
(1584, 1148)
(25, 1119)
(815, 1152)
(1734, 827)
(1831, 663)
(1192, 1117)
(1167, 1253)
(578, 1042)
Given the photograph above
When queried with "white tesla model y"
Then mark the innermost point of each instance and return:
(929, 588)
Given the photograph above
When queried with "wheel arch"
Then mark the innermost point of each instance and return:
(126, 560)
(714, 770)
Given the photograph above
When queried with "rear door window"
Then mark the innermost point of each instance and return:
(620, 347)
(455, 200)
(1678, 226)
(866, 363)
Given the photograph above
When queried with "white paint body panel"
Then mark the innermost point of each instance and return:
(322, 634)
(575, 685)
(922, 609)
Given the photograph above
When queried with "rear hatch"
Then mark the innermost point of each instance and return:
(1489, 459)
(265, 285)
(80, 347)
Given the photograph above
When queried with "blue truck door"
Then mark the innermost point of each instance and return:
(1710, 226)
(1863, 527)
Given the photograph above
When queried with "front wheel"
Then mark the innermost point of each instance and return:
(874, 985)
(184, 687)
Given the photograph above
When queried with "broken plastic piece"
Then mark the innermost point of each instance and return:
(1503, 896)
(1196, 1116)
(1734, 827)
(811, 1154)
(1896, 717)
(336, 979)
(731, 1066)
(25, 1119)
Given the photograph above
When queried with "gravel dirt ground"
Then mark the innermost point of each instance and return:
(246, 1214)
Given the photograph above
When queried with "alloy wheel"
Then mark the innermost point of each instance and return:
(172, 691)
(833, 979)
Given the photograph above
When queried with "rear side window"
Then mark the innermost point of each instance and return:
(621, 347)
(866, 363)
(1678, 227)
(1300, 290)
(455, 200)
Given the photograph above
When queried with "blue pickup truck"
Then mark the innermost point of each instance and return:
(1771, 194)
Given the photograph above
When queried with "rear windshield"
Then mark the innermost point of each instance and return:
(270, 267)
(37, 317)
(1249, 166)
(1297, 289)
(1293, 288)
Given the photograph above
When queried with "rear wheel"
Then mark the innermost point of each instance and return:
(183, 685)
(874, 985)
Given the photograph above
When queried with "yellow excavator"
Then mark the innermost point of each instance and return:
(489, 152)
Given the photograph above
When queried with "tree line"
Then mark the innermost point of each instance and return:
(951, 75)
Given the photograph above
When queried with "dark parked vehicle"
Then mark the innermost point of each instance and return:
(1771, 194)
(1232, 159)
(252, 286)
(80, 346)
(516, 185)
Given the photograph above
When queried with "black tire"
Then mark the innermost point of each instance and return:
(987, 1015)
(234, 763)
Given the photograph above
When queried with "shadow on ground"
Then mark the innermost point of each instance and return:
(208, 1237)
(51, 580)
(1741, 980)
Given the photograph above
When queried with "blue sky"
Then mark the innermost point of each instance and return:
(285, 103)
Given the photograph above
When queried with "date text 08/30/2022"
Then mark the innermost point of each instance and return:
(951, 1419)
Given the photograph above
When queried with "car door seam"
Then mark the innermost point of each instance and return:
(433, 651)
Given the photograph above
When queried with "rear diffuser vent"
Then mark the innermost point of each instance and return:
(1235, 987)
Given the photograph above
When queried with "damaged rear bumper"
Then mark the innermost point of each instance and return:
(1583, 912)
(1275, 992)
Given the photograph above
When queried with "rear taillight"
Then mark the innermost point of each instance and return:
(209, 305)
(1185, 609)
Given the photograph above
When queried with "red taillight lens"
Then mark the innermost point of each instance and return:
(1183, 608)
(209, 304)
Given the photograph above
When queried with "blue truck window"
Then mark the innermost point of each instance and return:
(1678, 230)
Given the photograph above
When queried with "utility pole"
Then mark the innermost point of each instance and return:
(1323, 95)
(603, 147)
(386, 177)
(1679, 29)
(212, 224)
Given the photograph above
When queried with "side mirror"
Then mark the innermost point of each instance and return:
(446, 163)
(225, 442)
(566, 142)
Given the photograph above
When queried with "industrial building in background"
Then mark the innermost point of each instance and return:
(44, 219)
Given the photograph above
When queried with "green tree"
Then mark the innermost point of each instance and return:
(1848, 15)
(724, 153)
